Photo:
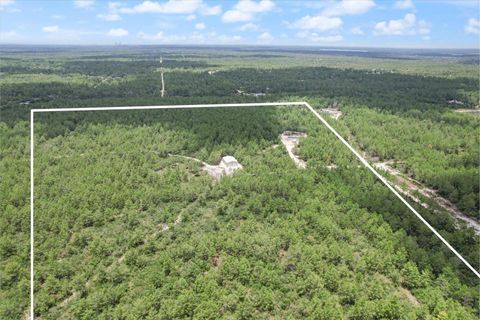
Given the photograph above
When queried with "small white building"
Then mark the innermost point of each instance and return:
(230, 165)
(227, 166)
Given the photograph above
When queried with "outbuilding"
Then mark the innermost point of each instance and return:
(230, 165)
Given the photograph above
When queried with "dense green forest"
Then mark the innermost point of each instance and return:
(440, 149)
(271, 241)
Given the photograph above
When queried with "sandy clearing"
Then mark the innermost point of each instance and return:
(409, 295)
(332, 112)
(473, 111)
(216, 171)
(291, 140)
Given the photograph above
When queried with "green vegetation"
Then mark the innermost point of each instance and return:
(440, 149)
(271, 241)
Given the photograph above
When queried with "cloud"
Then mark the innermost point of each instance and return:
(200, 26)
(114, 5)
(228, 39)
(112, 14)
(266, 36)
(472, 26)
(253, 6)
(191, 38)
(357, 31)
(348, 7)
(197, 37)
(83, 3)
(109, 17)
(167, 7)
(51, 29)
(423, 27)
(4, 3)
(313, 4)
(248, 27)
(317, 23)
(406, 26)
(462, 3)
(315, 37)
(173, 7)
(210, 11)
(236, 16)
(7, 35)
(245, 10)
(329, 18)
(172, 38)
(146, 36)
(403, 4)
(119, 32)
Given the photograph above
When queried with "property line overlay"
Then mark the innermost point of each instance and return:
(199, 106)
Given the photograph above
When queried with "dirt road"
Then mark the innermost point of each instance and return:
(162, 92)
(408, 186)
(412, 186)
(291, 140)
(472, 111)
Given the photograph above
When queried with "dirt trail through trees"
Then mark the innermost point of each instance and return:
(412, 186)
(291, 140)
(162, 92)
(472, 111)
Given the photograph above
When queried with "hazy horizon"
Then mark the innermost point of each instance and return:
(244, 46)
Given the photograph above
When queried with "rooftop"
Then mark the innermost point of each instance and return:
(229, 159)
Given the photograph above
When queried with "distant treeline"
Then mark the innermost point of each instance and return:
(375, 88)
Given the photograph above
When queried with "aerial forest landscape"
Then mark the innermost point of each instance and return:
(249, 212)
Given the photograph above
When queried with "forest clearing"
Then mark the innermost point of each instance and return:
(227, 166)
(291, 140)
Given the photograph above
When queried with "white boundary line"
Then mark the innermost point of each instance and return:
(196, 106)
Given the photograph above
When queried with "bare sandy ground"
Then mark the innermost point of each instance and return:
(215, 171)
(332, 112)
(474, 111)
(291, 140)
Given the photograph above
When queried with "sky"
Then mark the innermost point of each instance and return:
(338, 23)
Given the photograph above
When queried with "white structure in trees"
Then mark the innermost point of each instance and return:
(230, 165)
(227, 166)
